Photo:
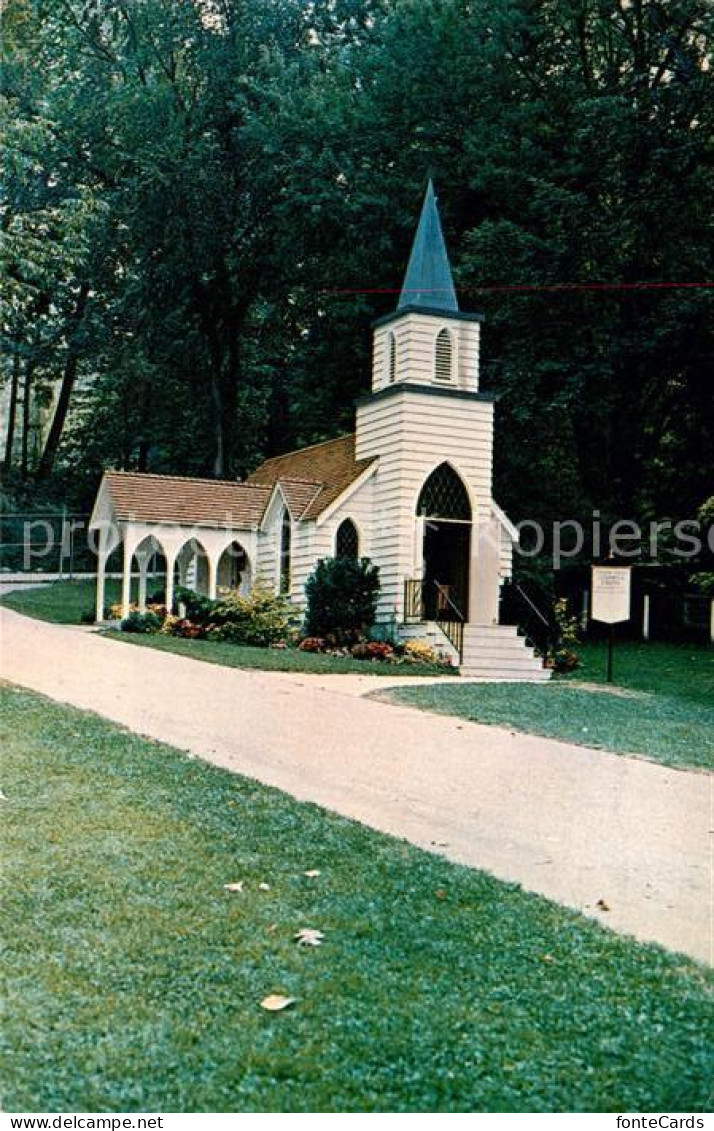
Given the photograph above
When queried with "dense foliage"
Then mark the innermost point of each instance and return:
(260, 619)
(342, 595)
(205, 201)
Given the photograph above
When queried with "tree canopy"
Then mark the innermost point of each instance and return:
(207, 201)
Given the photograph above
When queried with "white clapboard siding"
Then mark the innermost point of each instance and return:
(302, 559)
(412, 433)
(359, 507)
(269, 544)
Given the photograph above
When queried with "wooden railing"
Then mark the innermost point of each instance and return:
(414, 600)
(450, 619)
(448, 616)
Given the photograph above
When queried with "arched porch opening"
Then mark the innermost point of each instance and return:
(444, 511)
(234, 571)
(150, 561)
(192, 568)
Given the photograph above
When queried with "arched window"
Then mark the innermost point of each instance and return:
(347, 540)
(392, 357)
(285, 540)
(444, 495)
(443, 356)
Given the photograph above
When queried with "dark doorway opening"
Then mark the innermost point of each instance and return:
(447, 553)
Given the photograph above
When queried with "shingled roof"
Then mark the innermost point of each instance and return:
(325, 469)
(298, 494)
(144, 497)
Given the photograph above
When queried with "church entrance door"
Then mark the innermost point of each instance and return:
(445, 507)
(447, 553)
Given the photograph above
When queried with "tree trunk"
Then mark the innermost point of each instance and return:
(26, 404)
(69, 377)
(12, 413)
(217, 401)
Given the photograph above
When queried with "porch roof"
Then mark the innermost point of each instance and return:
(145, 497)
(325, 469)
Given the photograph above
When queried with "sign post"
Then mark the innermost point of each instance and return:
(611, 586)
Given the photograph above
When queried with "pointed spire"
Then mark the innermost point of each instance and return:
(428, 280)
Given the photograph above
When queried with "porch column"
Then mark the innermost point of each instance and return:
(101, 570)
(485, 582)
(170, 564)
(143, 560)
(212, 571)
(419, 545)
(126, 577)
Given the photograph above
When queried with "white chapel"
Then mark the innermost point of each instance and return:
(411, 489)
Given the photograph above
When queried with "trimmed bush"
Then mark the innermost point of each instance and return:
(373, 650)
(198, 608)
(261, 619)
(342, 596)
(141, 622)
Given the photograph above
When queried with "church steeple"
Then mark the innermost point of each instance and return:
(427, 340)
(428, 280)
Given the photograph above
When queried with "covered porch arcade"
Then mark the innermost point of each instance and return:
(190, 532)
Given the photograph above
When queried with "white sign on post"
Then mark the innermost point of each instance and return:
(611, 593)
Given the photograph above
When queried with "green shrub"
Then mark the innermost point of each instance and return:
(563, 657)
(141, 622)
(198, 608)
(342, 596)
(704, 582)
(260, 619)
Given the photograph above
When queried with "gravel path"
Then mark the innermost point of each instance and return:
(576, 825)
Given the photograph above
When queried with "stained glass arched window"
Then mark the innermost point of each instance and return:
(346, 540)
(285, 542)
(444, 495)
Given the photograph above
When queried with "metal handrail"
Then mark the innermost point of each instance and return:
(453, 630)
(414, 606)
(534, 607)
(550, 631)
(445, 593)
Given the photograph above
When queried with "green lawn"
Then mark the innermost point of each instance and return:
(673, 669)
(667, 715)
(62, 602)
(133, 980)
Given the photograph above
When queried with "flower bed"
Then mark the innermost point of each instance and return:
(266, 620)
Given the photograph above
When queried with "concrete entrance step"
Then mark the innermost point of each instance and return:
(495, 675)
(498, 652)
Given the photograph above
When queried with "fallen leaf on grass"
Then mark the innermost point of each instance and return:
(312, 873)
(547, 958)
(264, 887)
(234, 887)
(440, 893)
(602, 905)
(307, 936)
(275, 1002)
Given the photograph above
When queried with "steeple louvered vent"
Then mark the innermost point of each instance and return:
(443, 356)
